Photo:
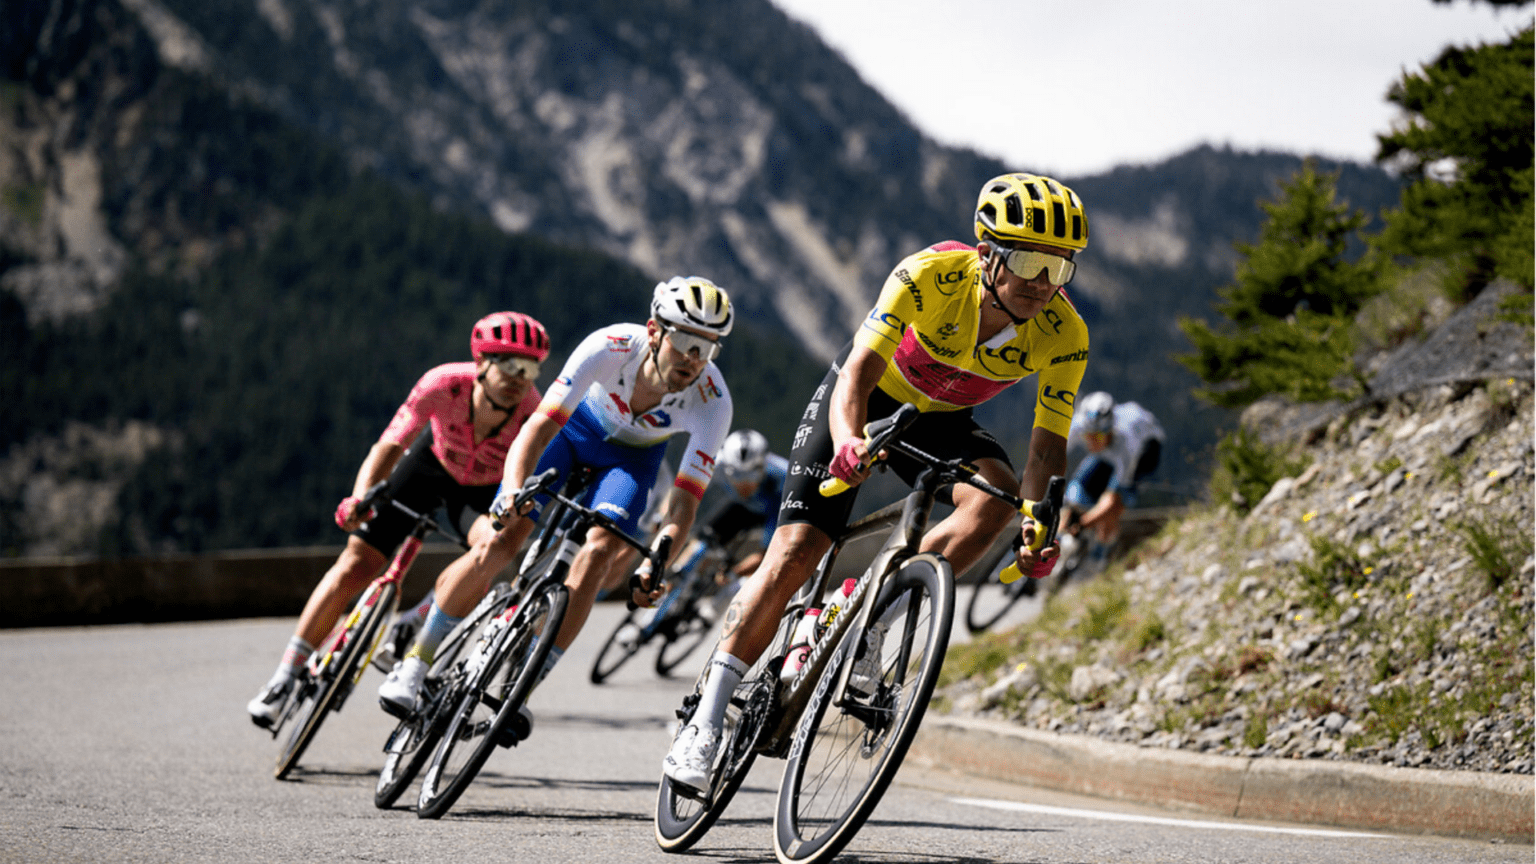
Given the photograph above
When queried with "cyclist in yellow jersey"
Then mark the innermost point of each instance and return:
(954, 326)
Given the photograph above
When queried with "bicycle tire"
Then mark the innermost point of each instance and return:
(491, 699)
(338, 672)
(984, 609)
(680, 637)
(412, 741)
(615, 653)
(821, 802)
(682, 819)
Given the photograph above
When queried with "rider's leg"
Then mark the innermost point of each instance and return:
(965, 535)
(603, 559)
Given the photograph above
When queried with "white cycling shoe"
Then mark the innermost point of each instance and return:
(692, 756)
(400, 691)
(270, 702)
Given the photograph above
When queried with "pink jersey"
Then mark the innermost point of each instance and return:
(442, 396)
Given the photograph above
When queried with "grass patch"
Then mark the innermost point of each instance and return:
(1334, 568)
(1246, 469)
(1497, 547)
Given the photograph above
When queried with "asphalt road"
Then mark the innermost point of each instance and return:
(131, 744)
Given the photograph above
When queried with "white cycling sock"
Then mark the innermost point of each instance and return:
(725, 672)
(294, 657)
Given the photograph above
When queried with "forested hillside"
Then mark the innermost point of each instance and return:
(232, 235)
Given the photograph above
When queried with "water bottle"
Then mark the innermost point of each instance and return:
(800, 645)
(838, 604)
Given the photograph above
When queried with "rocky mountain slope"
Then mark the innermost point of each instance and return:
(1376, 605)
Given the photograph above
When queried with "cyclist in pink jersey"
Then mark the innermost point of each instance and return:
(446, 446)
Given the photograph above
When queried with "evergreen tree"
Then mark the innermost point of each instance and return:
(1291, 309)
(1467, 147)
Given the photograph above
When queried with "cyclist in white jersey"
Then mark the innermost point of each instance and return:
(1125, 444)
(624, 392)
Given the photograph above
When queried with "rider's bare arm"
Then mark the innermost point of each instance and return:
(381, 459)
(850, 400)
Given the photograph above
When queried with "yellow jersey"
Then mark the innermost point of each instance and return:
(925, 325)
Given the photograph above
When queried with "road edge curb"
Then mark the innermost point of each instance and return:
(1317, 792)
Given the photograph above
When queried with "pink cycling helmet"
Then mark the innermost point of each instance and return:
(509, 333)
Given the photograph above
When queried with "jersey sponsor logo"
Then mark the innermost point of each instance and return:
(619, 343)
(948, 330)
(706, 461)
(619, 513)
(619, 401)
(1077, 356)
(1065, 397)
(939, 380)
(1052, 317)
(564, 380)
(888, 320)
(916, 292)
(935, 347)
(656, 419)
(709, 389)
(948, 283)
(1008, 361)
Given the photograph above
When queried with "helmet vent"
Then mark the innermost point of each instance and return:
(1059, 223)
(1015, 207)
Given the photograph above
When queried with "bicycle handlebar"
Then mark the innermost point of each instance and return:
(877, 434)
(1047, 515)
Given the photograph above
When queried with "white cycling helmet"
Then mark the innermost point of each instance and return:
(693, 301)
(743, 455)
(1098, 412)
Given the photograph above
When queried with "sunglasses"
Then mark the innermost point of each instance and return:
(1027, 264)
(689, 343)
(515, 365)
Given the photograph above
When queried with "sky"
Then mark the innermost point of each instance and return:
(1101, 83)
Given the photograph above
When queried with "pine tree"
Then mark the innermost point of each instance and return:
(1290, 312)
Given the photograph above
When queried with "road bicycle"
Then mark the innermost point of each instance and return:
(334, 668)
(844, 722)
(679, 621)
(480, 703)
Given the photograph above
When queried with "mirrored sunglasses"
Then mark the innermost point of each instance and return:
(689, 343)
(1027, 264)
(515, 365)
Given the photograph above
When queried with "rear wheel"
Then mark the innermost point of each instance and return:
(339, 669)
(683, 815)
(845, 755)
(412, 741)
(681, 636)
(495, 689)
(622, 644)
(990, 600)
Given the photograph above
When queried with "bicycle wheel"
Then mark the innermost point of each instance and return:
(622, 644)
(990, 599)
(683, 632)
(494, 691)
(413, 740)
(682, 815)
(844, 755)
(340, 667)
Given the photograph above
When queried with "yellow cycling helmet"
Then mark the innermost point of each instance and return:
(1015, 208)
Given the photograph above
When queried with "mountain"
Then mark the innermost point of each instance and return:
(153, 151)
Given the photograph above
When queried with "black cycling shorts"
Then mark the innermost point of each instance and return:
(421, 483)
(944, 434)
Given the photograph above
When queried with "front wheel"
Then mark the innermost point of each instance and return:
(494, 691)
(339, 668)
(850, 742)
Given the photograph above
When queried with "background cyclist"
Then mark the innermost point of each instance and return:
(953, 326)
(622, 394)
(754, 480)
(1125, 444)
(459, 421)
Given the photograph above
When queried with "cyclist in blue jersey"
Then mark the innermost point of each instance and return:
(622, 395)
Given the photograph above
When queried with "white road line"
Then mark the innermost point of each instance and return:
(1047, 810)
